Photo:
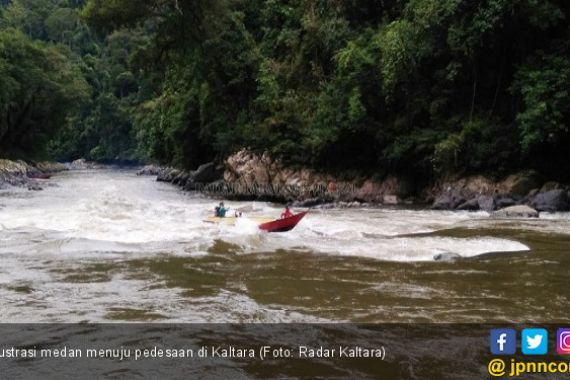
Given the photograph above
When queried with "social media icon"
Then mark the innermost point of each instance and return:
(534, 341)
(563, 341)
(503, 341)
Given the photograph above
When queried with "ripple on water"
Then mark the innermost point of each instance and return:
(112, 246)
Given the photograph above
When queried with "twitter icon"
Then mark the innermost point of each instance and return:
(534, 341)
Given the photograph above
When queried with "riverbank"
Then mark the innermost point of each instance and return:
(34, 176)
(23, 174)
(247, 176)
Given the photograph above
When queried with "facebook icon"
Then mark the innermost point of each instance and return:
(503, 341)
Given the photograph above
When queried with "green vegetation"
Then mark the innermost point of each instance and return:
(64, 91)
(421, 87)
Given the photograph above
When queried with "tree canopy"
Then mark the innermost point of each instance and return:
(420, 87)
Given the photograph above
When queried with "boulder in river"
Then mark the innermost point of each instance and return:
(207, 173)
(470, 205)
(167, 174)
(50, 167)
(520, 211)
(448, 201)
(519, 184)
(20, 173)
(311, 202)
(182, 178)
(504, 201)
(82, 164)
(446, 256)
(34, 187)
(149, 170)
(551, 201)
(550, 185)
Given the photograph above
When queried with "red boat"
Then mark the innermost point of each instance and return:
(283, 225)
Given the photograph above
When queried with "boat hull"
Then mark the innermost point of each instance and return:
(282, 225)
(232, 220)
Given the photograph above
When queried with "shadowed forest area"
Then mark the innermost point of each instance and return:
(420, 87)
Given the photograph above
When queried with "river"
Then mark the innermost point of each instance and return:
(107, 246)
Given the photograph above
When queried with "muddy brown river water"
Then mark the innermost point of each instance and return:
(108, 246)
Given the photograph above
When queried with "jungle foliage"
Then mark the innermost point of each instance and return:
(422, 87)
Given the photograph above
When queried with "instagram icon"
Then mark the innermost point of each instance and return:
(563, 341)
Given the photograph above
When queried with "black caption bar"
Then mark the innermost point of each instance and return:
(243, 351)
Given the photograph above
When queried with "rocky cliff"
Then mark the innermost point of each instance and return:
(483, 193)
(245, 175)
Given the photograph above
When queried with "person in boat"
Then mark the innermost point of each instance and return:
(221, 210)
(286, 213)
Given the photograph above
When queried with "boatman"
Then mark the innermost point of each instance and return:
(221, 210)
(287, 213)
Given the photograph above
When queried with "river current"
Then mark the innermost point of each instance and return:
(108, 246)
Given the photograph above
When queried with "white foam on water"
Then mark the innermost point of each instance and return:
(402, 249)
(117, 212)
(555, 216)
(114, 217)
(246, 226)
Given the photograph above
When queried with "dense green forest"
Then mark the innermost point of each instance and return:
(421, 87)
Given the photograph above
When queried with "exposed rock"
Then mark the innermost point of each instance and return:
(190, 185)
(551, 201)
(32, 172)
(83, 164)
(208, 173)
(78, 164)
(182, 178)
(391, 200)
(250, 176)
(162, 174)
(38, 175)
(551, 185)
(34, 187)
(246, 170)
(448, 202)
(504, 201)
(149, 170)
(519, 184)
(20, 173)
(167, 174)
(324, 206)
(348, 204)
(309, 203)
(529, 197)
(520, 211)
(381, 191)
(515, 185)
(14, 167)
(471, 186)
(446, 256)
(470, 205)
(50, 167)
(486, 203)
